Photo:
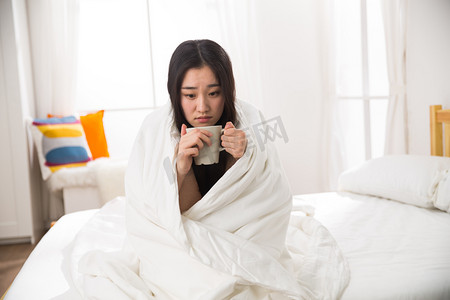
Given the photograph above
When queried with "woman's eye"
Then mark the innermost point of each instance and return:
(216, 93)
(190, 96)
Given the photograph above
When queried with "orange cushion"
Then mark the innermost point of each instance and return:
(95, 134)
(94, 131)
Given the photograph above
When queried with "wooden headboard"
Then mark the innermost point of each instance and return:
(439, 118)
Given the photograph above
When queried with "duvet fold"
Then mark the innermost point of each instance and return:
(240, 241)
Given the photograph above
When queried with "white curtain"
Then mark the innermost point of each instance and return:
(394, 18)
(231, 23)
(53, 38)
(333, 150)
(239, 32)
(54, 33)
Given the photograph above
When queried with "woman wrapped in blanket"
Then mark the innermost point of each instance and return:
(221, 231)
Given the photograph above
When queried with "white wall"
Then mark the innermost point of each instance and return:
(19, 215)
(28, 110)
(427, 67)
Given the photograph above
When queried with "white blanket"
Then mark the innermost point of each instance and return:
(238, 242)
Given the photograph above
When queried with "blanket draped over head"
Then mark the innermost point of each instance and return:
(240, 241)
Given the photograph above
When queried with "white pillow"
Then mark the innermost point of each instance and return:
(441, 198)
(410, 179)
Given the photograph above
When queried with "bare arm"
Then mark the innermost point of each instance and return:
(188, 190)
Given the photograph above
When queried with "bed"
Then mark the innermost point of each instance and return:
(390, 217)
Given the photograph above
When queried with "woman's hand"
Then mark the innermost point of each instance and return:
(234, 141)
(189, 146)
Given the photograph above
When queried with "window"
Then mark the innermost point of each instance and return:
(114, 55)
(115, 68)
(117, 72)
(362, 82)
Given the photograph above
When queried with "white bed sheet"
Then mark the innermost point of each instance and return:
(44, 274)
(395, 251)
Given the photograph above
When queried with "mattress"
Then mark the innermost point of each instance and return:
(45, 274)
(394, 250)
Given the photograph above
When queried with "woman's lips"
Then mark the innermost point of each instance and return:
(203, 119)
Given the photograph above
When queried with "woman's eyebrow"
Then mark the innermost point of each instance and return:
(194, 88)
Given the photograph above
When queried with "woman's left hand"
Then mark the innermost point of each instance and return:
(234, 141)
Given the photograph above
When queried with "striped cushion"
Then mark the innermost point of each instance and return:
(61, 143)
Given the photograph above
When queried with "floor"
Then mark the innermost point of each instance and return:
(12, 258)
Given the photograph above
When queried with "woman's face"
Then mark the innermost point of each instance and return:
(201, 97)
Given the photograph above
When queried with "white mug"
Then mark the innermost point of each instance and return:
(209, 155)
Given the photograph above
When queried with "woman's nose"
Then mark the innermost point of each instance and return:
(202, 104)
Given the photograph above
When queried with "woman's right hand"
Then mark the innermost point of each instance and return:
(189, 146)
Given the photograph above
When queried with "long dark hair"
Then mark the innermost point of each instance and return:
(196, 54)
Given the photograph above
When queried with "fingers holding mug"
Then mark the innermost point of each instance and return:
(191, 142)
(195, 138)
(234, 141)
(209, 153)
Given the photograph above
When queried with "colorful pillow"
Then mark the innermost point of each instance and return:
(95, 134)
(60, 143)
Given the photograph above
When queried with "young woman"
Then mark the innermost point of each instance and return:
(202, 93)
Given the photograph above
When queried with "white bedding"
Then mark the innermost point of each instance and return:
(44, 275)
(85, 187)
(395, 250)
(231, 244)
